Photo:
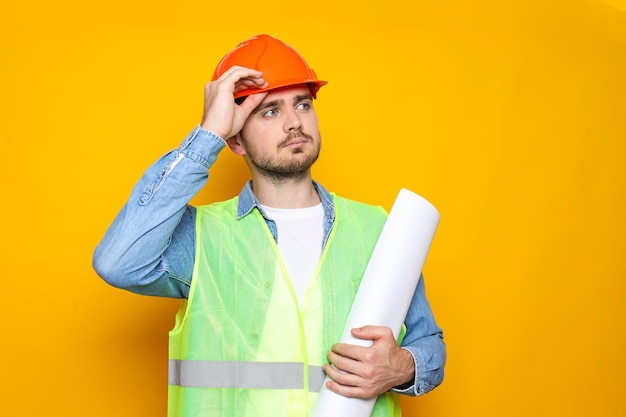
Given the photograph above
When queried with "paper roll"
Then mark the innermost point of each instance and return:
(387, 287)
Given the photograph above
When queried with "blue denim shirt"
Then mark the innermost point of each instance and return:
(149, 248)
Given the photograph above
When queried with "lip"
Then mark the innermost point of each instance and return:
(296, 143)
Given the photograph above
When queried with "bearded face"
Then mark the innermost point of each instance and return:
(292, 158)
(281, 138)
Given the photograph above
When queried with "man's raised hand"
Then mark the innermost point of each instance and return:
(222, 115)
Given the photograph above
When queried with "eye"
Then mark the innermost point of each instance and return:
(270, 113)
(303, 106)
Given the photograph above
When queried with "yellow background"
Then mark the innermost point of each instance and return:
(507, 116)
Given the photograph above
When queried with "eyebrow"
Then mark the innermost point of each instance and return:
(263, 106)
(301, 97)
(280, 102)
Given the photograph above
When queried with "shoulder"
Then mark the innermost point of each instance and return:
(359, 209)
(219, 208)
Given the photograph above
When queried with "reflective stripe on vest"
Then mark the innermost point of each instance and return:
(231, 374)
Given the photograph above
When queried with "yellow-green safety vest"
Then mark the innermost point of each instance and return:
(243, 345)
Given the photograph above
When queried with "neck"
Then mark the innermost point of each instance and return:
(288, 193)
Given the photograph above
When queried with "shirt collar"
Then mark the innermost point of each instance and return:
(248, 201)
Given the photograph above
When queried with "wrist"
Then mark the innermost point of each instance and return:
(408, 365)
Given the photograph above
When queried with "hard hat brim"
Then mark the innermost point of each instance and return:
(314, 86)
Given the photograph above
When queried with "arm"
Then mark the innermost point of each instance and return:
(415, 368)
(149, 248)
(424, 340)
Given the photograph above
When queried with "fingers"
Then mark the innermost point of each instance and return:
(354, 359)
(241, 78)
(234, 80)
(236, 72)
(249, 83)
(348, 357)
(347, 384)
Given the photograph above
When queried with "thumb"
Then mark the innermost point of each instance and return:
(368, 332)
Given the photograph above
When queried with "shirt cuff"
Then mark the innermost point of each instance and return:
(202, 146)
(420, 386)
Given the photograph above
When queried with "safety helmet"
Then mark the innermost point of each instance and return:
(280, 64)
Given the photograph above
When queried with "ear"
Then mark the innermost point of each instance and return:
(234, 143)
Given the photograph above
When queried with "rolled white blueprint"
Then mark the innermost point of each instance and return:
(387, 287)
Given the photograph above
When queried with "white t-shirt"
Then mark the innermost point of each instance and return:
(300, 233)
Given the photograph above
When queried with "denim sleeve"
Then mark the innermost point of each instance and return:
(424, 340)
(149, 247)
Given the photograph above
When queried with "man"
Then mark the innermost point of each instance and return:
(267, 278)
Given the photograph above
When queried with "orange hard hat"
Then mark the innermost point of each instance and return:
(280, 64)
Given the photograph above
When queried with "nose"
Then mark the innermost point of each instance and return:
(292, 122)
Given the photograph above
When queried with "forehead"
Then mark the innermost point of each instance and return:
(287, 93)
